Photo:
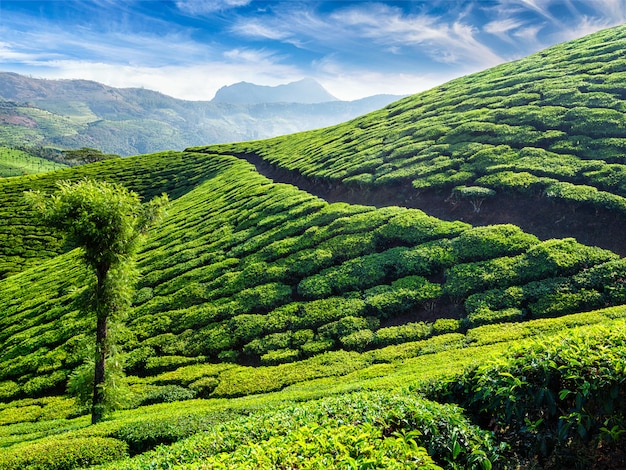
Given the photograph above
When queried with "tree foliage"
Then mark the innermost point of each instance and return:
(108, 222)
(87, 155)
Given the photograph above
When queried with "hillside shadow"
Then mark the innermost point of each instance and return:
(544, 217)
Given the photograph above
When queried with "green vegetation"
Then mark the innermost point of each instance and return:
(270, 327)
(17, 162)
(107, 222)
(549, 126)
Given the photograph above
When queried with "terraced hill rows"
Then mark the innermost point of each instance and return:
(251, 286)
(16, 162)
(545, 133)
(252, 272)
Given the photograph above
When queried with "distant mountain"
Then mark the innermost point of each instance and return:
(303, 91)
(130, 121)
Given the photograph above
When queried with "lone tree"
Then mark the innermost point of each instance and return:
(108, 222)
(87, 155)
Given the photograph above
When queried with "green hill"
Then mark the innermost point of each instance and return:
(271, 328)
(544, 132)
(17, 162)
(127, 121)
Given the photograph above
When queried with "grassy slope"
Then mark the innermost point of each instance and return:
(254, 272)
(246, 272)
(16, 162)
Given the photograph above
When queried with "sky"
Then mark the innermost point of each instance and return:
(190, 48)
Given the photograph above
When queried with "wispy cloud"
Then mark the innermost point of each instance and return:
(190, 48)
(205, 7)
(379, 26)
(536, 24)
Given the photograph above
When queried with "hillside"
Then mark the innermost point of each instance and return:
(544, 134)
(272, 327)
(80, 113)
(16, 162)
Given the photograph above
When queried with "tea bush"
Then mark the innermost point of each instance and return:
(63, 454)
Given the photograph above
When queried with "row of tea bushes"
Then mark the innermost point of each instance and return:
(245, 270)
(24, 242)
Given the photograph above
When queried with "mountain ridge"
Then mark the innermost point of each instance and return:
(131, 121)
(307, 91)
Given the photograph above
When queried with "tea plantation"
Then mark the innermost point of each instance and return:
(273, 329)
(17, 162)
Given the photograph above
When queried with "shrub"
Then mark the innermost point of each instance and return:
(492, 241)
(557, 400)
(267, 343)
(59, 453)
(166, 394)
(163, 363)
(563, 303)
(474, 194)
(344, 327)
(446, 325)
(486, 316)
(402, 333)
(320, 312)
(413, 227)
(312, 348)
(280, 356)
(358, 340)
(401, 296)
(314, 287)
(333, 448)
(148, 433)
(8, 390)
(204, 386)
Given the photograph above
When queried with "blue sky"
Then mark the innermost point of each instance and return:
(190, 48)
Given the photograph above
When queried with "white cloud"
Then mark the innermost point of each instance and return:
(351, 84)
(372, 27)
(189, 82)
(204, 7)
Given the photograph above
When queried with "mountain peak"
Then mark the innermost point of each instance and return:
(306, 91)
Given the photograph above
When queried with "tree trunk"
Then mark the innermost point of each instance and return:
(97, 407)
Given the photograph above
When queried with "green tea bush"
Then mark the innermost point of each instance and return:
(358, 340)
(314, 347)
(63, 454)
(557, 399)
(402, 333)
(493, 241)
(486, 316)
(204, 387)
(446, 325)
(315, 447)
(267, 343)
(8, 390)
(413, 227)
(280, 356)
(563, 303)
(166, 394)
(146, 434)
(401, 296)
(345, 326)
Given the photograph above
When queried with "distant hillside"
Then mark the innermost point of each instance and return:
(80, 113)
(17, 162)
(303, 91)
